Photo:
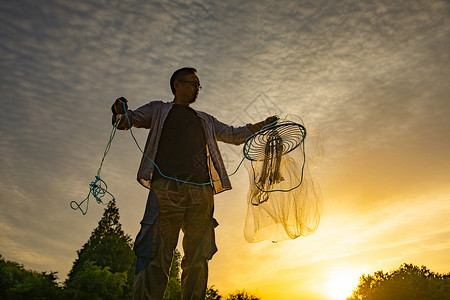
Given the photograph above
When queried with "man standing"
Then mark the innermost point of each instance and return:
(187, 171)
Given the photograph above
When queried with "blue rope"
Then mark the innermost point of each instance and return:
(98, 187)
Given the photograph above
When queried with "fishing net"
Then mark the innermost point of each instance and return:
(283, 200)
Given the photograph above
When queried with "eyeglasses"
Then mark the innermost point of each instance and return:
(193, 83)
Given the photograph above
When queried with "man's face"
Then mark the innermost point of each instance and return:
(189, 88)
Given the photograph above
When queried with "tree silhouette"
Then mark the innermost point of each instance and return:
(18, 283)
(407, 282)
(106, 259)
(213, 294)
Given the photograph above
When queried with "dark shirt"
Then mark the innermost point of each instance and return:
(182, 147)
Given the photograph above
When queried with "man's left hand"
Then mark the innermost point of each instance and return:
(270, 120)
(257, 127)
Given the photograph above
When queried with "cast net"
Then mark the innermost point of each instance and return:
(283, 200)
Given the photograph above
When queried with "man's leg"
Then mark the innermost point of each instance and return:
(151, 281)
(199, 246)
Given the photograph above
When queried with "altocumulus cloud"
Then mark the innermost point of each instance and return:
(373, 75)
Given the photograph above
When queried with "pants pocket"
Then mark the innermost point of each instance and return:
(148, 239)
(210, 247)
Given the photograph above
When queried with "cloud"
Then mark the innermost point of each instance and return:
(372, 76)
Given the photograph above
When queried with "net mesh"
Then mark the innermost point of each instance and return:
(283, 200)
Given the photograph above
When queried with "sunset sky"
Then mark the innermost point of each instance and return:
(371, 78)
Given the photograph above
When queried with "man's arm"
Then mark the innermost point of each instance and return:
(237, 135)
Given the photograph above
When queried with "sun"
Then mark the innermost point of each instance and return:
(341, 283)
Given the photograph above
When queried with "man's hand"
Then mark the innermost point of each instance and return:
(117, 107)
(270, 120)
(257, 127)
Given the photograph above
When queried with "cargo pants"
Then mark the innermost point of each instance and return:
(170, 207)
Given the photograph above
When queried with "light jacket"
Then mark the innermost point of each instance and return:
(153, 115)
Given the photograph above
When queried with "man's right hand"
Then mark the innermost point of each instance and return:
(118, 105)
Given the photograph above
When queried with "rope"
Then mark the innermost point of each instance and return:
(98, 188)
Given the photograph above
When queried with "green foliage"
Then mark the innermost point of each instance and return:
(109, 254)
(407, 282)
(242, 295)
(18, 283)
(94, 282)
(173, 291)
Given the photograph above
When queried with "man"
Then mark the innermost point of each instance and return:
(183, 169)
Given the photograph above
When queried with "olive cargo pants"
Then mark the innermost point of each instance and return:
(171, 207)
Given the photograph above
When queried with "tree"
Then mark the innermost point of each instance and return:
(96, 283)
(173, 290)
(108, 254)
(18, 283)
(407, 282)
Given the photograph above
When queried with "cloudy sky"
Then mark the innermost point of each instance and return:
(370, 77)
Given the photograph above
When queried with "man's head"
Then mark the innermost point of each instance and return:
(180, 75)
(185, 85)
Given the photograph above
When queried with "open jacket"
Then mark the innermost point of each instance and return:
(153, 115)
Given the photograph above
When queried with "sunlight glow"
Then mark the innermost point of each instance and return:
(341, 283)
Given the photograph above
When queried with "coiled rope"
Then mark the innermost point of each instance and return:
(98, 188)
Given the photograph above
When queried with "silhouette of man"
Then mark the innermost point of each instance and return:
(183, 144)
